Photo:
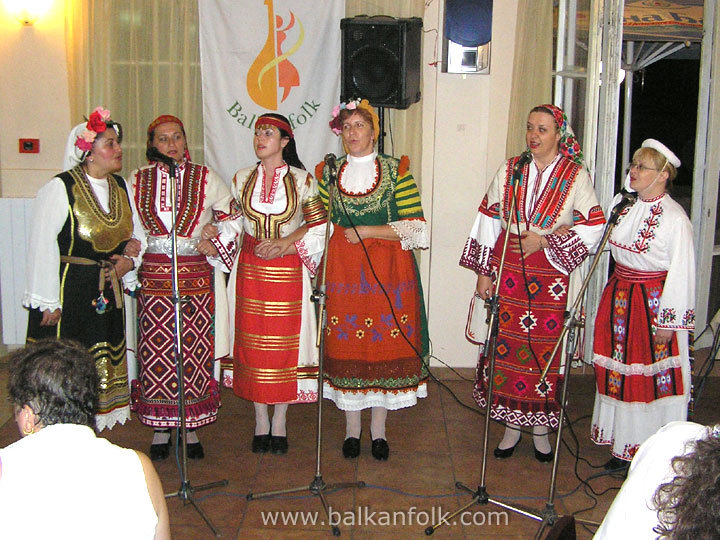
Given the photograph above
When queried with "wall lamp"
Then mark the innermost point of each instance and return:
(27, 11)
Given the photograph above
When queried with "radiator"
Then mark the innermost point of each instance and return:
(15, 218)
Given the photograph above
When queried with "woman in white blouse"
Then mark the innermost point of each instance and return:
(646, 314)
(275, 359)
(83, 221)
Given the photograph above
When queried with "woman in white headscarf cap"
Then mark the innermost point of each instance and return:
(647, 312)
(83, 221)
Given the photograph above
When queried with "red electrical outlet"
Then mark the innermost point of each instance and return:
(29, 146)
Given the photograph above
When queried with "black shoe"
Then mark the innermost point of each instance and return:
(195, 451)
(351, 447)
(505, 452)
(160, 451)
(544, 458)
(616, 464)
(261, 444)
(380, 449)
(278, 445)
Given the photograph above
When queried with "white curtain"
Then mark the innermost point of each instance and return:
(532, 68)
(140, 59)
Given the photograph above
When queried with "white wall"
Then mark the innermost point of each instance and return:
(464, 130)
(34, 97)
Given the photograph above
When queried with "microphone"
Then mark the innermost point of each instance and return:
(330, 160)
(525, 157)
(628, 199)
(153, 154)
(332, 166)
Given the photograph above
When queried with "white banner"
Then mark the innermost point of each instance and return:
(268, 56)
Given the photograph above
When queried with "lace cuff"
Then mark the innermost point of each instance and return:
(566, 252)
(35, 302)
(413, 233)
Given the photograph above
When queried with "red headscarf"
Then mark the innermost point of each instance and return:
(568, 144)
(166, 119)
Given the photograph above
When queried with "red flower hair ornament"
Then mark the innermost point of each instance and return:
(95, 124)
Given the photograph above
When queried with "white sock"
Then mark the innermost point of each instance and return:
(511, 437)
(541, 440)
(161, 436)
(377, 423)
(262, 420)
(352, 424)
(192, 437)
(278, 420)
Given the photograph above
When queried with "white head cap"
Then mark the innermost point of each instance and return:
(664, 150)
(73, 154)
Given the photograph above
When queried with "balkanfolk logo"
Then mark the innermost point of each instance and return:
(272, 73)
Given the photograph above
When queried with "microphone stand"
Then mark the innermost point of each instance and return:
(186, 491)
(318, 487)
(480, 496)
(569, 328)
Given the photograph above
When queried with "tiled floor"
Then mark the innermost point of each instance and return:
(433, 446)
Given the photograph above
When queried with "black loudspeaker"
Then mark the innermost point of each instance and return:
(381, 60)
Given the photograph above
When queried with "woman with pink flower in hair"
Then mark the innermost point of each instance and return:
(77, 270)
(376, 342)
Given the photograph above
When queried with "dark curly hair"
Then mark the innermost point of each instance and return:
(689, 506)
(57, 379)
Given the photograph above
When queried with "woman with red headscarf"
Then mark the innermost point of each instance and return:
(202, 197)
(555, 224)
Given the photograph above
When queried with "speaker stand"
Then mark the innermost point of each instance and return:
(381, 135)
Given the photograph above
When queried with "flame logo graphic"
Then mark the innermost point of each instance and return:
(271, 69)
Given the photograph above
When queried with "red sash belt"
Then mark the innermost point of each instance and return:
(630, 274)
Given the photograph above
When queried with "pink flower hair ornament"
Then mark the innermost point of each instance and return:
(352, 104)
(95, 124)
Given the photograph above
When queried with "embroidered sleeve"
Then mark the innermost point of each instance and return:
(314, 211)
(310, 262)
(228, 219)
(226, 247)
(588, 217)
(492, 211)
(233, 211)
(566, 252)
(413, 233)
(476, 257)
(310, 247)
(677, 303)
(486, 228)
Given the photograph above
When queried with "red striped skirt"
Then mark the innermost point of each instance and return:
(268, 310)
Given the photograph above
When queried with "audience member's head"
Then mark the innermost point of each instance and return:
(689, 505)
(57, 380)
